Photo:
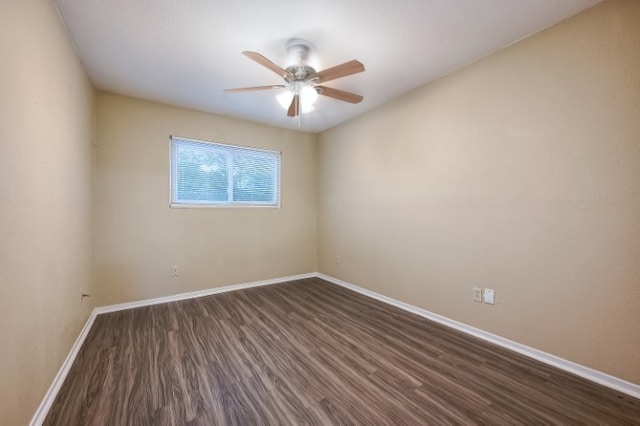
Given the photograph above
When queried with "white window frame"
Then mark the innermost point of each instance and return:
(228, 149)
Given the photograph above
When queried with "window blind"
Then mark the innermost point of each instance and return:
(206, 173)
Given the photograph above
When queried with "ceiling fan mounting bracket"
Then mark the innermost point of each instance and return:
(299, 50)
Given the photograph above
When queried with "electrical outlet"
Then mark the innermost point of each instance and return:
(175, 271)
(477, 294)
(489, 296)
(338, 260)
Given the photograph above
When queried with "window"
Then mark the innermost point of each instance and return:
(211, 174)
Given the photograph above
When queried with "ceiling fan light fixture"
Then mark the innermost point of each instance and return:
(308, 97)
(284, 98)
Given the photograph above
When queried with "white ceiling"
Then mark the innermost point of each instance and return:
(185, 52)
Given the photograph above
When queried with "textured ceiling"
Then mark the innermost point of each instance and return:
(185, 52)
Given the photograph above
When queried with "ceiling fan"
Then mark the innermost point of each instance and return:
(303, 82)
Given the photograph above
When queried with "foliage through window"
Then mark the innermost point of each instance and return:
(205, 173)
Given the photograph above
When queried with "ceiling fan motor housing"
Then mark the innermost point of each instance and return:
(300, 73)
(298, 51)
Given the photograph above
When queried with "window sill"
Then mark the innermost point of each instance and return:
(222, 206)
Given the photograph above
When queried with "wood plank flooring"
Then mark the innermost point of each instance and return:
(313, 353)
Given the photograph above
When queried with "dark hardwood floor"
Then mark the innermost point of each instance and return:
(314, 353)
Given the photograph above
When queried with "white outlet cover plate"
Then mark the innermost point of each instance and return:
(477, 294)
(489, 296)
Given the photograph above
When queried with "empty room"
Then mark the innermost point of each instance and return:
(224, 212)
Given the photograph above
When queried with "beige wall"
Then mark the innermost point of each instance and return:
(46, 131)
(138, 237)
(520, 173)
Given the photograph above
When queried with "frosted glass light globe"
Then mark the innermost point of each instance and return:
(308, 96)
(284, 98)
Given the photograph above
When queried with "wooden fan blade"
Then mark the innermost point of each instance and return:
(339, 94)
(251, 89)
(348, 68)
(294, 108)
(268, 64)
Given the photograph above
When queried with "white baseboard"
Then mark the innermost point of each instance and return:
(561, 363)
(42, 411)
(201, 293)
